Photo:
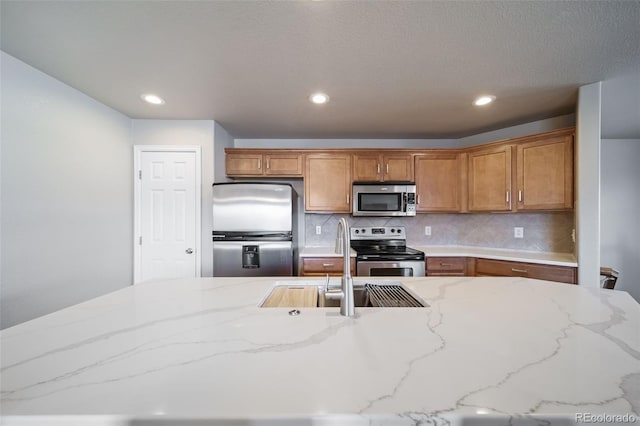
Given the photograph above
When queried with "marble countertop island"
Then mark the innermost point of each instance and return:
(490, 351)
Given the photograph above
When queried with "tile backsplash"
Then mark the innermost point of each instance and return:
(543, 232)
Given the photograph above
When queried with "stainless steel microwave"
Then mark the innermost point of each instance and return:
(384, 199)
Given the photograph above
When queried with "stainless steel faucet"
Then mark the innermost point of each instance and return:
(345, 294)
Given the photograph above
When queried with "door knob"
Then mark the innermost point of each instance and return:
(189, 251)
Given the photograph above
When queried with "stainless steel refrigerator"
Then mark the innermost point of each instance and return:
(252, 229)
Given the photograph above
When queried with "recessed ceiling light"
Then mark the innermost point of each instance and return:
(152, 99)
(319, 98)
(484, 100)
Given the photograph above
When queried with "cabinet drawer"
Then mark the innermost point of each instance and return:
(446, 266)
(324, 265)
(486, 267)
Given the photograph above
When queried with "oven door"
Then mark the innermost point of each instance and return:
(407, 268)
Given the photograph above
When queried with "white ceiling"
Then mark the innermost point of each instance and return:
(397, 69)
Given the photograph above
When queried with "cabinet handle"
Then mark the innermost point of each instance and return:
(508, 198)
(267, 164)
(378, 168)
(326, 265)
(418, 198)
(520, 196)
(387, 168)
(259, 163)
(522, 271)
(446, 264)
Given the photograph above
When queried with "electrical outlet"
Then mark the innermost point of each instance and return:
(427, 230)
(573, 235)
(518, 232)
(318, 230)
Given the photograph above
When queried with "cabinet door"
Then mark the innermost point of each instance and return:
(545, 174)
(283, 164)
(397, 167)
(327, 183)
(490, 179)
(321, 266)
(446, 266)
(503, 268)
(367, 167)
(243, 164)
(438, 182)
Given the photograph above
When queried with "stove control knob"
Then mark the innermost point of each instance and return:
(357, 231)
(393, 230)
(364, 231)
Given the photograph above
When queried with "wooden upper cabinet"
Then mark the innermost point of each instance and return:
(367, 167)
(438, 182)
(544, 170)
(283, 164)
(272, 163)
(383, 167)
(490, 179)
(327, 182)
(243, 164)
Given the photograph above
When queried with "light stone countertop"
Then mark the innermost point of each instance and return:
(322, 252)
(490, 351)
(559, 259)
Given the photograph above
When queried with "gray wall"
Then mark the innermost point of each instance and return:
(620, 204)
(222, 140)
(187, 132)
(496, 135)
(345, 143)
(519, 130)
(66, 195)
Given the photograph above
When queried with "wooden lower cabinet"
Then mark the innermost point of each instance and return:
(503, 268)
(321, 266)
(448, 266)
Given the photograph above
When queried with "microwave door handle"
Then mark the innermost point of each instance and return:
(405, 202)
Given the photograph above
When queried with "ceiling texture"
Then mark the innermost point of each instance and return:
(396, 69)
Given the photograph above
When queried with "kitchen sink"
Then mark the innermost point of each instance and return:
(376, 295)
(384, 294)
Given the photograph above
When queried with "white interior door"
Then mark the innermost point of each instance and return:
(168, 215)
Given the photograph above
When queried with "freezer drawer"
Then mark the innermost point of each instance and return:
(252, 258)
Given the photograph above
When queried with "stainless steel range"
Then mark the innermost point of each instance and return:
(382, 251)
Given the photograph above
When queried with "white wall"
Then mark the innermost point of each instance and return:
(187, 132)
(588, 184)
(66, 195)
(620, 204)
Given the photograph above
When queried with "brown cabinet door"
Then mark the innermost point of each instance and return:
(446, 266)
(327, 182)
(243, 164)
(283, 164)
(321, 266)
(490, 179)
(544, 171)
(503, 268)
(367, 167)
(397, 167)
(438, 182)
